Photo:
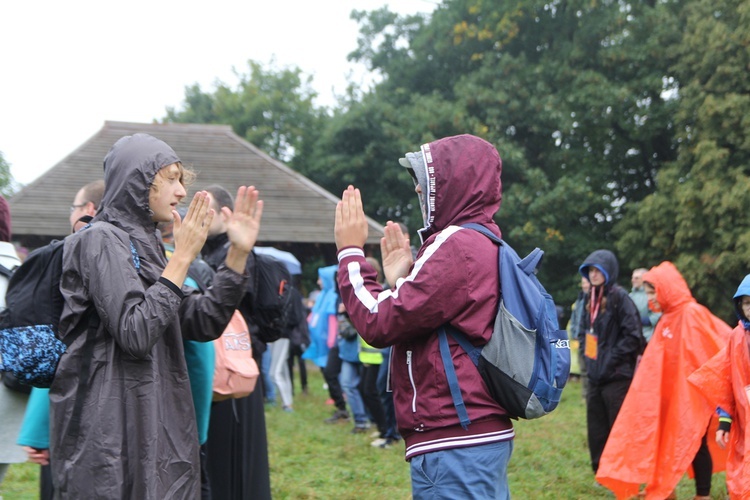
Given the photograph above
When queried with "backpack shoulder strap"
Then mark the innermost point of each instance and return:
(133, 252)
(450, 374)
(4, 271)
(481, 229)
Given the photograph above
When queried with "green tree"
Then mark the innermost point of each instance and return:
(8, 185)
(571, 93)
(270, 108)
(698, 216)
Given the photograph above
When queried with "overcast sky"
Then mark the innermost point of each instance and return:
(67, 67)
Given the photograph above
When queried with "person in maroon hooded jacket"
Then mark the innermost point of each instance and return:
(454, 280)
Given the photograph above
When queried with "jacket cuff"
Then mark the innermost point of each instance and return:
(164, 281)
(725, 424)
(350, 251)
(235, 276)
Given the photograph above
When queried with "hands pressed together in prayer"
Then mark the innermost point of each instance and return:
(190, 233)
(351, 229)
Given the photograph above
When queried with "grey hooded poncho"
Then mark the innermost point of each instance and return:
(124, 426)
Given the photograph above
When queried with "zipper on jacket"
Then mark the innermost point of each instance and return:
(413, 385)
(388, 387)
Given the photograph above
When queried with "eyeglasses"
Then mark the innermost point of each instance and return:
(74, 207)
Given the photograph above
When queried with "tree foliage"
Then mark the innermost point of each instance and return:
(8, 185)
(621, 124)
(571, 93)
(698, 215)
(272, 109)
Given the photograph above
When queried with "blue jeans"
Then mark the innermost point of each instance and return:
(479, 472)
(268, 387)
(350, 384)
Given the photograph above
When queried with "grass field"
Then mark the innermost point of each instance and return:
(313, 460)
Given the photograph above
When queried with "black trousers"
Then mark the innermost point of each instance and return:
(368, 386)
(331, 374)
(46, 490)
(603, 402)
(703, 467)
(295, 352)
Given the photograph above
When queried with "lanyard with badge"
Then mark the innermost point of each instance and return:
(592, 340)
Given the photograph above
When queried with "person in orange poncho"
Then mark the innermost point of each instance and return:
(724, 381)
(663, 422)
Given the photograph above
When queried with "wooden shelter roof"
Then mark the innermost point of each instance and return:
(296, 209)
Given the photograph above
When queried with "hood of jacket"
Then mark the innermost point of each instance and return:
(672, 291)
(327, 277)
(129, 170)
(742, 290)
(460, 181)
(327, 299)
(606, 262)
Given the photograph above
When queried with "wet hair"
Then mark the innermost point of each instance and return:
(221, 195)
(187, 176)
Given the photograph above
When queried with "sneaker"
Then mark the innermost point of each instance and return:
(287, 409)
(375, 434)
(361, 428)
(379, 442)
(338, 416)
(388, 443)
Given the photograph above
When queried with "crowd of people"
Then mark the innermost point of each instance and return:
(356, 373)
(148, 283)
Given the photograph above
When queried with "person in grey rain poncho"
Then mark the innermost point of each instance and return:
(122, 417)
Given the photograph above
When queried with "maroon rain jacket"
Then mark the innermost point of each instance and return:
(454, 280)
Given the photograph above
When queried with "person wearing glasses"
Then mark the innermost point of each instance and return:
(86, 203)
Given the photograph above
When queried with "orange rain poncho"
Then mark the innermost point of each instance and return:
(723, 381)
(662, 420)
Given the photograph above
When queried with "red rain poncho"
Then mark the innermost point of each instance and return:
(723, 381)
(662, 420)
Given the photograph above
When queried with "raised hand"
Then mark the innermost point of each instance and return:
(243, 225)
(190, 233)
(350, 228)
(396, 252)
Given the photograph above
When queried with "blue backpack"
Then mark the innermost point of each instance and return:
(526, 363)
(29, 347)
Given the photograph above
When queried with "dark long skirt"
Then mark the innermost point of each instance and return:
(237, 449)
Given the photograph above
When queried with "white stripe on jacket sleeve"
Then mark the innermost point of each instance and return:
(355, 276)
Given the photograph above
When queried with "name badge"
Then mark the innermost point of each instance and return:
(592, 345)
